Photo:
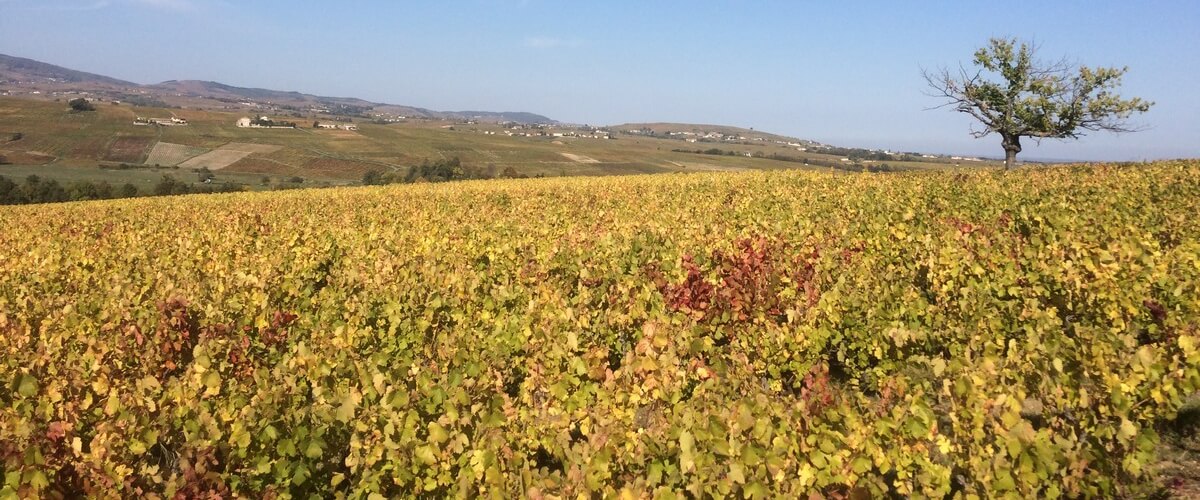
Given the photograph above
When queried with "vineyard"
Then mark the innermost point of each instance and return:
(1020, 334)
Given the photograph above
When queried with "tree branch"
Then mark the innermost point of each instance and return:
(1031, 97)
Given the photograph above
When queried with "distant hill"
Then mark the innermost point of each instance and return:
(31, 75)
(503, 116)
(20, 69)
(216, 89)
(199, 88)
(662, 128)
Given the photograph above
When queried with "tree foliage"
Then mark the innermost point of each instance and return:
(169, 185)
(262, 121)
(80, 104)
(38, 190)
(1014, 95)
(442, 170)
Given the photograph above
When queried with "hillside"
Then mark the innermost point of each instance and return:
(107, 145)
(23, 76)
(31, 72)
(39, 136)
(974, 334)
(694, 130)
(215, 90)
(499, 116)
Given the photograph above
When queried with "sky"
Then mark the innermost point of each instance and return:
(844, 73)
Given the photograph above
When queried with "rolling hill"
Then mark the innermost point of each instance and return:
(40, 136)
(694, 129)
(31, 72)
(18, 74)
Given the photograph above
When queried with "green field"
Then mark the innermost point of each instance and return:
(65, 143)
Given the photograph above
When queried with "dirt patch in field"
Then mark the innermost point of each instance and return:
(1178, 455)
(168, 154)
(26, 157)
(246, 147)
(291, 162)
(128, 149)
(579, 158)
(342, 169)
(262, 166)
(215, 160)
(227, 155)
(94, 148)
(341, 134)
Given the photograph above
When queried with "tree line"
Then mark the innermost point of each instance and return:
(38, 190)
(267, 122)
(443, 170)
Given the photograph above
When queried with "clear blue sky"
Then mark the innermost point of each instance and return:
(837, 73)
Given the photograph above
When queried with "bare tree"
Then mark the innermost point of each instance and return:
(1033, 98)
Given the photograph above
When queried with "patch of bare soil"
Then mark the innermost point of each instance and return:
(26, 157)
(1177, 471)
(579, 158)
(165, 153)
(128, 149)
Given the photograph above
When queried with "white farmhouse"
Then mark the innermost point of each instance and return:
(243, 122)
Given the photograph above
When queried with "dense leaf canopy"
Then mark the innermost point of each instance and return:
(752, 334)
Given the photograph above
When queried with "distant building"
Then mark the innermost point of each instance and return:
(264, 122)
(336, 126)
(166, 122)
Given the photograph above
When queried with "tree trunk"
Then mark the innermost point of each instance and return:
(1012, 146)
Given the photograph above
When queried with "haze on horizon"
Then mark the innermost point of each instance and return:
(844, 75)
